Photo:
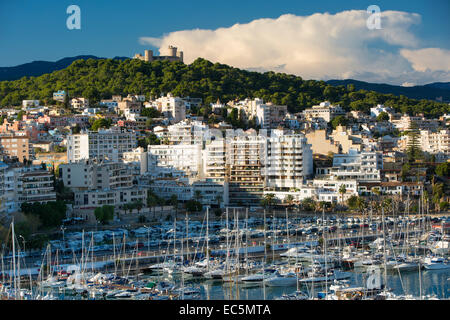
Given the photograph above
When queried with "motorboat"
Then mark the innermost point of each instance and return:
(435, 263)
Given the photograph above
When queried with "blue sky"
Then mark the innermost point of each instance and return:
(36, 30)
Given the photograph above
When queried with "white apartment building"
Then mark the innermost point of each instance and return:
(436, 143)
(129, 105)
(79, 103)
(137, 160)
(88, 174)
(328, 189)
(288, 161)
(375, 111)
(324, 111)
(88, 199)
(362, 166)
(186, 132)
(173, 108)
(166, 159)
(105, 144)
(30, 103)
(24, 184)
(405, 123)
(210, 193)
(214, 160)
(270, 116)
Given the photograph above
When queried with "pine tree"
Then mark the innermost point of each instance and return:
(414, 152)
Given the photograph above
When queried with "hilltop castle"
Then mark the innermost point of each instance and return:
(149, 57)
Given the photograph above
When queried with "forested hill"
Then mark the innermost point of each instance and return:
(37, 68)
(430, 91)
(100, 79)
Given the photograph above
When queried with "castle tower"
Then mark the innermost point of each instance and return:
(180, 55)
(148, 56)
(172, 51)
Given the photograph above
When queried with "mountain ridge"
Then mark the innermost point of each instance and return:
(39, 67)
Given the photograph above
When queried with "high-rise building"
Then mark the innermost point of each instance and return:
(105, 144)
(288, 162)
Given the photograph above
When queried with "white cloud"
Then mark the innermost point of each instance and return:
(319, 46)
(433, 59)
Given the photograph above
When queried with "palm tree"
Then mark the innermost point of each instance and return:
(268, 200)
(139, 204)
(289, 199)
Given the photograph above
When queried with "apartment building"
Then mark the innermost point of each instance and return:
(30, 103)
(173, 108)
(270, 116)
(214, 160)
(36, 186)
(88, 199)
(364, 166)
(15, 147)
(328, 190)
(436, 143)
(90, 174)
(105, 144)
(245, 168)
(324, 111)
(129, 105)
(186, 132)
(165, 160)
(288, 160)
(79, 103)
(405, 122)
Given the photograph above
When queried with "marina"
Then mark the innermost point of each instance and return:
(279, 256)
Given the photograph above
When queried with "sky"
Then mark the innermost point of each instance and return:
(321, 39)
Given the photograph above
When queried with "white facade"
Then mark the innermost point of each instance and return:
(96, 198)
(104, 144)
(362, 166)
(173, 108)
(288, 160)
(269, 115)
(163, 159)
(79, 103)
(324, 111)
(93, 175)
(436, 143)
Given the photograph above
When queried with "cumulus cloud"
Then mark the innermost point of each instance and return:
(319, 46)
(433, 59)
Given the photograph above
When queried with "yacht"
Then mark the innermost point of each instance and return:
(435, 263)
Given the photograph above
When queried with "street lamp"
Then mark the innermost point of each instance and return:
(23, 239)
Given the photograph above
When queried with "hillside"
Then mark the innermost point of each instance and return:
(38, 68)
(430, 91)
(102, 78)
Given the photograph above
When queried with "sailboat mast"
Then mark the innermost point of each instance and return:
(207, 238)
(14, 257)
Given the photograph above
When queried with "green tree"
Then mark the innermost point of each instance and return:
(443, 169)
(414, 151)
(339, 121)
(342, 191)
(383, 116)
(101, 123)
(104, 214)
